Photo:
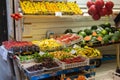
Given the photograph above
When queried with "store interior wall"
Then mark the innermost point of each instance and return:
(35, 28)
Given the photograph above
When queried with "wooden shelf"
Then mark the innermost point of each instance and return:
(50, 16)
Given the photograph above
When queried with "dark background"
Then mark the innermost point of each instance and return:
(3, 21)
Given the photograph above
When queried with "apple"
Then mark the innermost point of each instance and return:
(92, 10)
(109, 12)
(90, 3)
(109, 5)
(103, 12)
(99, 4)
(96, 17)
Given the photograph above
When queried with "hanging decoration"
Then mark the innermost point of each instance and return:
(99, 8)
(16, 16)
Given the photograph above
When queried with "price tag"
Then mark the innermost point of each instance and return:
(73, 51)
(76, 46)
(41, 53)
(58, 13)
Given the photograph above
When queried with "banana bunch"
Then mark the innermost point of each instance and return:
(61, 55)
(88, 52)
(91, 52)
(48, 44)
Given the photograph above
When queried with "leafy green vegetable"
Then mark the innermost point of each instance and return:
(44, 57)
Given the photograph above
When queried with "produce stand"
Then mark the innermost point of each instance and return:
(22, 74)
(52, 73)
(18, 71)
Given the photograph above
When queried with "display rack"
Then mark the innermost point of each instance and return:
(59, 72)
(21, 74)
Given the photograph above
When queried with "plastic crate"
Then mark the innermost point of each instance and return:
(42, 71)
(72, 65)
(32, 73)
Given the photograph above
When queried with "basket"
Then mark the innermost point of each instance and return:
(72, 65)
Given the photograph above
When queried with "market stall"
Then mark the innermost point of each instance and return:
(66, 54)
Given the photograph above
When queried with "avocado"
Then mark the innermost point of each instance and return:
(102, 25)
(88, 31)
(94, 27)
(108, 29)
(107, 24)
(113, 29)
(68, 31)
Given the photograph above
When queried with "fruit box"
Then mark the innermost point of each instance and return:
(42, 71)
(24, 65)
(72, 65)
(72, 42)
(32, 73)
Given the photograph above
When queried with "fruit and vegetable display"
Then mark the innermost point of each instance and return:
(99, 8)
(85, 51)
(67, 57)
(68, 60)
(69, 39)
(49, 8)
(42, 57)
(48, 44)
(44, 65)
(73, 60)
(100, 34)
(25, 58)
(21, 47)
(44, 61)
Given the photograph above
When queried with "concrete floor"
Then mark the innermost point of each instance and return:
(5, 73)
(104, 71)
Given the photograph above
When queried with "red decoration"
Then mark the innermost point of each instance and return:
(16, 16)
(99, 8)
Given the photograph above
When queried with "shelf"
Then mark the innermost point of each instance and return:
(100, 45)
(57, 73)
(50, 16)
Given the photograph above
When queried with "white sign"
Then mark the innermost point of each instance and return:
(58, 13)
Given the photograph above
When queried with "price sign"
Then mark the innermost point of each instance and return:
(58, 13)
(73, 51)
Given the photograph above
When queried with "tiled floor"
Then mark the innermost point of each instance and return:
(106, 68)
